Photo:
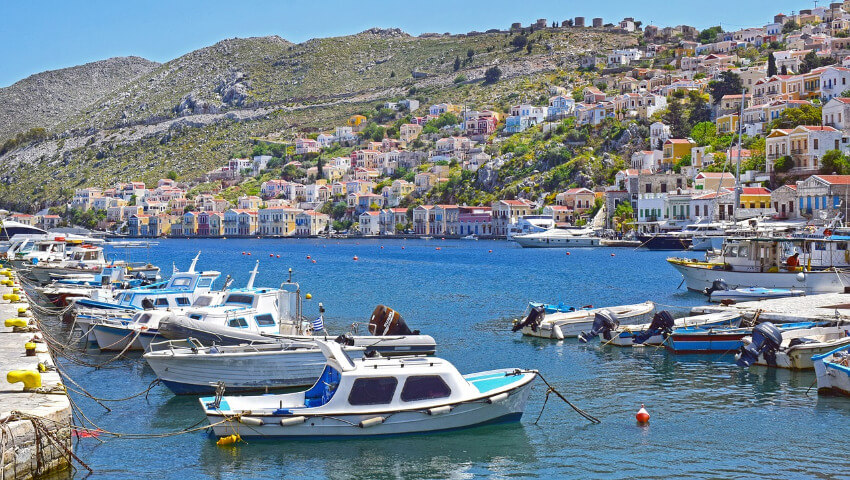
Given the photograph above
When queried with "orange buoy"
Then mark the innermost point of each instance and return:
(249, 253)
(489, 251)
(313, 261)
(438, 248)
(642, 415)
(355, 258)
(278, 256)
(308, 257)
(612, 254)
(568, 253)
(271, 255)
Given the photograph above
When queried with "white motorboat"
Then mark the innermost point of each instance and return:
(558, 238)
(529, 224)
(763, 262)
(376, 396)
(561, 325)
(470, 237)
(833, 371)
(654, 333)
(794, 349)
(117, 335)
(719, 291)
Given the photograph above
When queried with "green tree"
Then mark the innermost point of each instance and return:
(470, 53)
(803, 115)
(729, 84)
(771, 65)
(790, 26)
(834, 161)
(675, 117)
(171, 175)
(699, 110)
(519, 41)
(704, 133)
(624, 217)
(709, 35)
(492, 74)
(783, 164)
(457, 63)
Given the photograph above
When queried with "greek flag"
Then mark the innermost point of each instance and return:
(318, 324)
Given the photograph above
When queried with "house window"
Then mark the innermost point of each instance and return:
(663, 188)
(815, 143)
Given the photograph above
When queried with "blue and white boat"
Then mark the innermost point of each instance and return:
(833, 371)
(704, 339)
(376, 396)
(719, 291)
(655, 332)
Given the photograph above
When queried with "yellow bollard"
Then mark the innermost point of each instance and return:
(22, 311)
(6, 296)
(14, 298)
(16, 322)
(30, 378)
(29, 347)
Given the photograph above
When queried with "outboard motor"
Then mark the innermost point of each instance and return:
(345, 339)
(717, 285)
(533, 320)
(767, 339)
(386, 321)
(662, 324)
(603, 322)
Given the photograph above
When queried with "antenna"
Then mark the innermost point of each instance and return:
(253, 276)
(194, 262)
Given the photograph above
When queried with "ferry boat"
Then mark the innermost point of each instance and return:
(763, 262)
(376, 396)
(771, 347)
(558, 238)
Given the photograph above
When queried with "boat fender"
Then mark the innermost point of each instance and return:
(801, 277)
(288, 422)
(766, 340)
(228, 440)
(439, 410)
(252, 421)
(371, 422)
(557, 332)
(498, 398)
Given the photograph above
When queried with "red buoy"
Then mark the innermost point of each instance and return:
(402, 247)
(438, 248)
(568, 253)
(489, 251)
(355, 257)
(278, 256)
(271, 255)
(612, 254)
(249, 253)
(243, 253)
(642, 415)
(308, 257)
(313, 261)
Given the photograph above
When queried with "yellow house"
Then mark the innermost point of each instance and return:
(727, 123)
(675, 149)
(755, 197)
(357, 122)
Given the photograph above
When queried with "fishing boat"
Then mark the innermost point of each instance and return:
(558, 238)
(655, 332)
(118, 335)
(708, 339)
(83, 285)
(833, 371)
(763, 262)
(562, 325)
(719, 291)
(376, 396)
(771, 347)
(470, 237)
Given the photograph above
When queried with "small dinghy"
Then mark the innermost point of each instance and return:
(771, 347)
(375, 396)
(561, 325)
(833, 371)
(611, 332)
(706, 339)
(719, 291)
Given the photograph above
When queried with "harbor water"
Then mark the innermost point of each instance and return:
(710, 418)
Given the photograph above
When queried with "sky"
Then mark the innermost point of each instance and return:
(44, 35)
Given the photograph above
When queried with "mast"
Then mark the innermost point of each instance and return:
(738, 189)
(194, 262)
(253, 276)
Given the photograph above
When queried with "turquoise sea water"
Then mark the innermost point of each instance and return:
(710, 419)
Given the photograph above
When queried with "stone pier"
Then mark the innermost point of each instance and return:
(809, 308)
(35, 427)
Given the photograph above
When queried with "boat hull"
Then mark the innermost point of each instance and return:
(557, 242)
(464, 415)
(572, 324)
(625, 336)
(707, 342)
(111, 338)
(800, 357)
(833, 372)
(698, 278)
(753, 293)
(664, 242)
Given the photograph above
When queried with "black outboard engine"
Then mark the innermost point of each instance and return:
(767, 339)
(345, 339)
(717, 285)
(662, 324)
(532, 320)
(603, 322)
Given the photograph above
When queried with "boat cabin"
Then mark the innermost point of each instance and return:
(771, 254)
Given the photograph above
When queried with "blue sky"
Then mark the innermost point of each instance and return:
(45, 35)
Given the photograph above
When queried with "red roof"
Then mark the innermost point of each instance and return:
(516, 203)
(817, 128)
(835, 179)
(755, 191)
(715, 175)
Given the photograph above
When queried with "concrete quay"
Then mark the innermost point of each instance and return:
(809, 308)
(35, 428)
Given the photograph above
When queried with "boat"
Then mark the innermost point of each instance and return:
(763, 262)
(558, 238)
(655, 332)
(562, 325)
(10, 228)
(530, 224)
(719, 291)
(118, 335)
(708, 339)
(771, 347)
(470, 237)
(833, 371)
(664, 241)
(375, 396)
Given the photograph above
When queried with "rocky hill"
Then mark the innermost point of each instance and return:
(49, 98)
(192, 113)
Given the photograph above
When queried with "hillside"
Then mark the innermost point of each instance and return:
(49, 98)
(193, 113)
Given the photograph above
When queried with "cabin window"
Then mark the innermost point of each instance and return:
(203, 301)
(161, 302)
(372, 391)
(144, 318)
(240, 298)
(743, 251)
(237, 323)
(732, 251)
(820, 245)
(424, 387)
(841, 246)
(182, 301)
(204, 282)
(265, 320)
(181, 282)
(196, 316)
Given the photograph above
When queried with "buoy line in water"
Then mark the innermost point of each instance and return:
(551, 389)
